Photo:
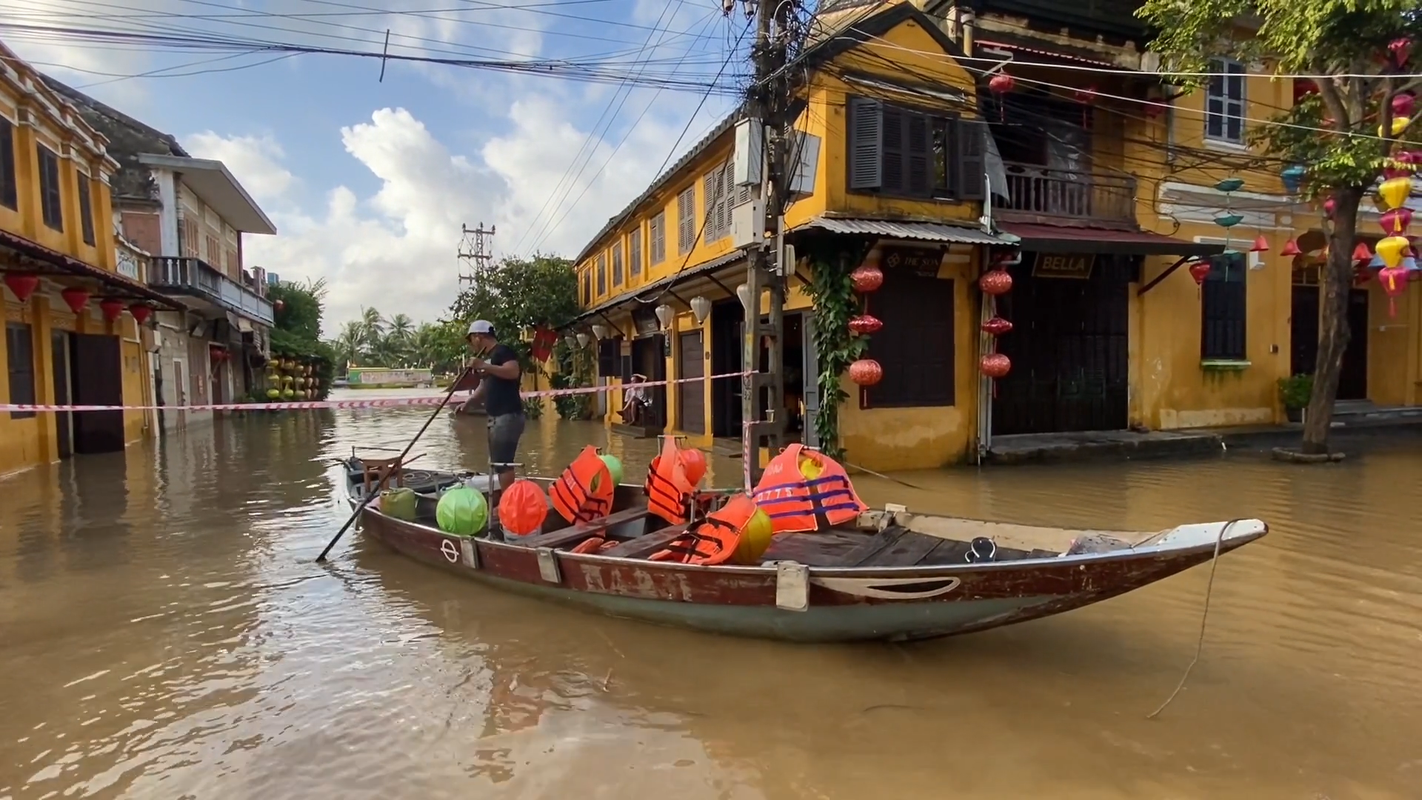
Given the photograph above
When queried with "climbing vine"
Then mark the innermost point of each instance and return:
(835, 303)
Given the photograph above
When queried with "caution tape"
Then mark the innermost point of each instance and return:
(384, 402)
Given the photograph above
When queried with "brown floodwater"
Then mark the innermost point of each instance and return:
(164, 633)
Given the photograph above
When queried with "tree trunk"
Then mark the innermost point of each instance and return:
(1333, 333)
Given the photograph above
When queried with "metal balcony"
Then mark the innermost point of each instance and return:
(1044, 194)
(194, 277)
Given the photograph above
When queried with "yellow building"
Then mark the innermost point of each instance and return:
(57, 247)
(1107, 184)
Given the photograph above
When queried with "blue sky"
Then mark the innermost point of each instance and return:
(369, 181)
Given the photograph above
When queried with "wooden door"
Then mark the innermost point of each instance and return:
(690, 395)
(98, 380)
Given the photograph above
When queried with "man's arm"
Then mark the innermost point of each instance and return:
(509, 370)
(479, 392)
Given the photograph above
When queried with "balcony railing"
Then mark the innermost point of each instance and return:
(195, 277)
(1069, 194)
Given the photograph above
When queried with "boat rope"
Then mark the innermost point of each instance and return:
(1204, 619)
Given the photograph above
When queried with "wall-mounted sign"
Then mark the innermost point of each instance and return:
(1070, 265)
(646, 322)
(918, 261)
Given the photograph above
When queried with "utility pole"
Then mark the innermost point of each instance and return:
(769, 102)
(472, 252)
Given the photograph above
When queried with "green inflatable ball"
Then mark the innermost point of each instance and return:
(462, 512)
(614, 468)
(287, 394)
(273, 394)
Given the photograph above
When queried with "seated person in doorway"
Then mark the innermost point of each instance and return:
(634, 401)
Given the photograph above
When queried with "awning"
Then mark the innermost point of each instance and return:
(49, 262)
(918, 231)
(1057, 239)
(645, 294)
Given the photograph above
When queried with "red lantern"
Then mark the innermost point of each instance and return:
(1086, 96)
(23, 284)
(113, 309)
(1402, 104)
(995, 365)
(278, 305)
(1154, 109)
(523, 507)
(996, 326)
(1261, 245)
(140, 312)
(1361, 274)
(1199, 270)
(1395, 221)
(866, 372)
(1002, 83)
(75, 298)
(996, 282)
(1394, 282)
(1291, 248)
(1400, 50)
(864, 324)
(1362, 253)
(866, 279)
(1328, 206)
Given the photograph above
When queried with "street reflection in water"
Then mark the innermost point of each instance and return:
(166, 634)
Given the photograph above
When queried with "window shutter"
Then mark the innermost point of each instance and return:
(972, 159)
(916, 157)
(866, 139)
(895, 133)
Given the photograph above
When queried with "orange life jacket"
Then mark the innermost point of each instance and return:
(667, 486)
(714, 540)
(574, 495)
(794, 501)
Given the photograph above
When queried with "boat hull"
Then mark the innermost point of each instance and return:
(814, 604)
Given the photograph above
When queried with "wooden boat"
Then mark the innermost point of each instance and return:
(894, 575)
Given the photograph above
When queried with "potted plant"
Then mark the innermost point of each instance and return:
(1294, 393)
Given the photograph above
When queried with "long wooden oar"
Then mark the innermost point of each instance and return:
(399, 460)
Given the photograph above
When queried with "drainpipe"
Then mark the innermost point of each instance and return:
(968, 21)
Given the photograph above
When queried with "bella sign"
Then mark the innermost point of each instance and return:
(1074, 265)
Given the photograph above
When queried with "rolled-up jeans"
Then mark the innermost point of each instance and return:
(504, 433)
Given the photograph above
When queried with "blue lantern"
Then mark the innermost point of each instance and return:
(1292, 178)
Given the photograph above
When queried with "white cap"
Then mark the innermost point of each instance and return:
(480, 326)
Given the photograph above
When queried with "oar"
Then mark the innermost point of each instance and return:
(399, 459)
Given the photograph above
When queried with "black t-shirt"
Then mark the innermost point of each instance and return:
(502, 395)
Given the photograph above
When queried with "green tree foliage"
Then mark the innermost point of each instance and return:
(298, 328)
(516, 294)
(1341, 135)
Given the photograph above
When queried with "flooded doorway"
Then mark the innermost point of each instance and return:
(97, 379)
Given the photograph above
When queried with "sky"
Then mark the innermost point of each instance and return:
(369, 179)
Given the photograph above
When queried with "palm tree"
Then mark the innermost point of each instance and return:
(373, 326)
(349, 342)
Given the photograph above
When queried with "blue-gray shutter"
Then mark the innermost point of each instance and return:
(972, 159)
(866, 143)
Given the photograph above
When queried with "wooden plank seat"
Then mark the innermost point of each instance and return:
(646, 544)
(576, 533)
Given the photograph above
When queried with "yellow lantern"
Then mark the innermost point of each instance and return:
(1399, 124)
(1392, 249)
(1394, 191)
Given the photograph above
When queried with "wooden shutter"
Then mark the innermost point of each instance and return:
(972, 159)
(634, 260)
(917, 152)
(892, 149)
(866, 140)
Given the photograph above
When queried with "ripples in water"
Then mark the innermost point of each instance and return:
(166, 634)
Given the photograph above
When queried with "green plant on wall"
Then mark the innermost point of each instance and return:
(574, 367)
(835, 302)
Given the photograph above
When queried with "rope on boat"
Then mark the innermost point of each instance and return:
(1204, 619)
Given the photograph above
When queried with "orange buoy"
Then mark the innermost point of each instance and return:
(523, 508)
(694, 462)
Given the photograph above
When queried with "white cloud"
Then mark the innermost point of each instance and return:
(255, 158)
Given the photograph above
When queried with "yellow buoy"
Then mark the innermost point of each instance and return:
(810, 468)
(755, 539)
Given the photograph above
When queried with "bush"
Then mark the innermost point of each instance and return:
(533, 407)
(1295, 391)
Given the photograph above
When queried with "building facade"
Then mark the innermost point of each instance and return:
(932, 135)
(189, 215)
(72, 306)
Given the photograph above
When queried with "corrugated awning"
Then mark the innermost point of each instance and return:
(56, 263)
(917, 231)
(1055, 239)
(651, 290)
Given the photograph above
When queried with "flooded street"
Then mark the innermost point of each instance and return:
(166, 634)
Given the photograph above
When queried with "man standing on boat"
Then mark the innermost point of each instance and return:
(497, 366)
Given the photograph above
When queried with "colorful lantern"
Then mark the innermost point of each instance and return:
(1394, 191)
(140, 312)
(522, 508)
(1292, 178)
(1395, 221)
(866, 279)
(866, 372)
(1291, 248)
(1392, 249)
(996, 326)
(1199, 270)
(1400, 50)
(1361, 275)
(995, 282)
(1394, 282)
(864, 324)
(278, 304)
(1399, 125)
(75, 298)
(995, 365)
(1402, 104)
(113, 309)
(1261, 245)
(1002, 83)
(1361, 253)
(22, 284)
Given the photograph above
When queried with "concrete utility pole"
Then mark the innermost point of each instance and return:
(472, 252)
(769, 102)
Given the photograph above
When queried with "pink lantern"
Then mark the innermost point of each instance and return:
(1402, 104)
(866, 279)
(865, 324)
(995, 365)
(995, 282)
(1394, 282)
(1328, 206)
(996, 326)
(866, 372)
(1395, 221)
(1400, 50)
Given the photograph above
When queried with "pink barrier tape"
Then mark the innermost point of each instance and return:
(386, 402)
